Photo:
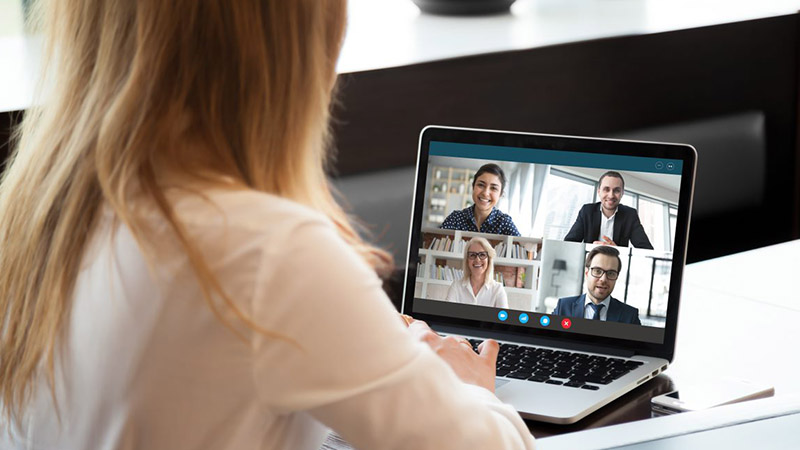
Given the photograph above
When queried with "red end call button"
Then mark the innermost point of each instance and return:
(566, 323)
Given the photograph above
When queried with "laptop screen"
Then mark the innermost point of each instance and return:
(545, 235)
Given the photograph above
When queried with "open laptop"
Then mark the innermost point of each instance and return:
(553, 367)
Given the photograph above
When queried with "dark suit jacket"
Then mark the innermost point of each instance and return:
(627, 227)
(617, 311)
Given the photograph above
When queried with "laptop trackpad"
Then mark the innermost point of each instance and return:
(499, 382)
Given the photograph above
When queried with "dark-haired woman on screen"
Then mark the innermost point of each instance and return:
(488, 186)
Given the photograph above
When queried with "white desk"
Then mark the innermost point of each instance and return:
(740, 314)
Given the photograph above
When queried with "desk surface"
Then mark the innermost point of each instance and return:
(391, 33)
(739, 316)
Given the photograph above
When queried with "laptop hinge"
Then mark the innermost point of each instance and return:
(535, 340)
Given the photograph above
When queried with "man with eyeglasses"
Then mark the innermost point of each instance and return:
(603, 266)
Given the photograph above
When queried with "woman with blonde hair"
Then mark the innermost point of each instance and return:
(174, 270)
(478, 286)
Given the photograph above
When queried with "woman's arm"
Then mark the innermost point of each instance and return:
(359, 370)
(500, 297)
(452, 291)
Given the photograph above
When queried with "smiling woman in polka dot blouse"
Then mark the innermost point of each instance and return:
(487, 187)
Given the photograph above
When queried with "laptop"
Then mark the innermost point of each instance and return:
(559, 359)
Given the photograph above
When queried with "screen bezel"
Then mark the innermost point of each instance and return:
(504, 331)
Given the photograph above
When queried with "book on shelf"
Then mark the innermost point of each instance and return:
(446, 244)
(521, 251)
(438, 272)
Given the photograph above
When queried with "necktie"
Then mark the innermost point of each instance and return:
(597, 309)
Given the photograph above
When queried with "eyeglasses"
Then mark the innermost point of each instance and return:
(477, 255)
(598, 272)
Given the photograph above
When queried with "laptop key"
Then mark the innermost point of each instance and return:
(590, 387)
(519, 375)
(573, 383)
(539, 378)
(617, 374)
(551, 381)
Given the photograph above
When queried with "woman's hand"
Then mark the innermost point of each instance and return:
(473, 368)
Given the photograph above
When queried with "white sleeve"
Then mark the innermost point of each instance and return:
(501, 298)
(357, 369)
(452, 291)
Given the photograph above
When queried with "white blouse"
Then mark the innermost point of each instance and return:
(491, 294)
(146, 364)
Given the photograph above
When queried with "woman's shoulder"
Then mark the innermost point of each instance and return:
(243, 208)
(495, 285)
(247, 216)
(503, 216)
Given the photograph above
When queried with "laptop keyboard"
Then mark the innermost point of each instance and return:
(542, 365)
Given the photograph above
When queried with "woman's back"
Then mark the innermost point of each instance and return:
(147, 364)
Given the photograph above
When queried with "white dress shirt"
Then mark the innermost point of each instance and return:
(606, 224)
(146, 364)
(589, 311)
(491, 294)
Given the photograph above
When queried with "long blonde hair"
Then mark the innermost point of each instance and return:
(140, 94)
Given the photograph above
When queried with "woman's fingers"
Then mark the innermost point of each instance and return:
(477, 369)
(422, 332)
(407, 319)
(489, 349)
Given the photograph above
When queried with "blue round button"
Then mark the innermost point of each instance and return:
(523, 318)
(502, 315)
(545, 321)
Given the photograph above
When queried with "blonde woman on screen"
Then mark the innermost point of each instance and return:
(478, 286)
(174, 271)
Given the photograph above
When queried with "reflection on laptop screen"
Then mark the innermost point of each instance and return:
(566, 241)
